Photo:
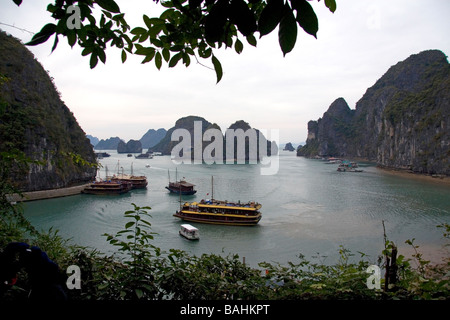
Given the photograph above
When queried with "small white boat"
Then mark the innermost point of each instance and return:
(189, 232)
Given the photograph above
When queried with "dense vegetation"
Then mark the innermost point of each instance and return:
(35, 122)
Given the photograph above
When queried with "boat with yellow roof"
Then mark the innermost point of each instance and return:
(220, 212)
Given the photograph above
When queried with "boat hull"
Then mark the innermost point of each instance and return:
(183, 193)
(109, 191)
(104, 192)
(217, 218)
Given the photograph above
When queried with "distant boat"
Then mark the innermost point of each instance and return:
(189, 232)
(137, 182)
(347, 166)
(101, 155)
(333, 161)
(144, 156)
(107, 188)
(220, 212)
(181, 187)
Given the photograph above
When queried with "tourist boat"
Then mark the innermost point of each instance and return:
(181, 187)
(333, 161)
(347, 166)
(189, 232)
(220, 212)
(137, 182)
(144, 156)
(107, 187)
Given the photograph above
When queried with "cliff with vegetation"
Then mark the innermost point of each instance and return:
(37, 125)
(402, 121)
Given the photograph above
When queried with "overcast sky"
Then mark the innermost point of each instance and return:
(355, 46)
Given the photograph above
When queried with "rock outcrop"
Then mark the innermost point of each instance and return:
(152, 137)
(38, 126)
(165, 146)
(132, 146)
(289, 147)
(403, 121)
(108, 144)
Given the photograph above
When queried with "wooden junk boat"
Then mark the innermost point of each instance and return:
(137, 182)
(181, 187)
(220, 212)
(108, 187)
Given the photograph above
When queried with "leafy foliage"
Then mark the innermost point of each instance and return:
(186, 29)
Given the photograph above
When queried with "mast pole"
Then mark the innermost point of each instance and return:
(212, 188)
(180, 199)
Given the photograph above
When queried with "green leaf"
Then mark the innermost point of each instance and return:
(147, 21)
(186, 59)
(94, 60)
(109, 5)
(138, 31)
(102, 55)
(166, 54)
(251, 40)
(71, 37)
(173, 62)
(139, 293)
(270, 16)
(129, 224)
(217, 68)
(287, 34)
(331, 4)
(306, 17)
(124, 56)
(238, 46)
(42, 35)
(55, 43)
(158, 60)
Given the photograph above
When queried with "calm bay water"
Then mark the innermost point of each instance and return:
(308, 208)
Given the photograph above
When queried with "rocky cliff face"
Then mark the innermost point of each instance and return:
(403, 121)
(35, 122)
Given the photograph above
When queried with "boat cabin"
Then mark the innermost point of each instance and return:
(189, 232)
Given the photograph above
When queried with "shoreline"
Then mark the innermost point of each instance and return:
(47, 194)
(440, 179)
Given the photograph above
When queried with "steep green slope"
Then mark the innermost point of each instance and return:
(34, 121)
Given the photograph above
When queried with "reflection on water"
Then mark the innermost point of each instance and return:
(308, 207)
